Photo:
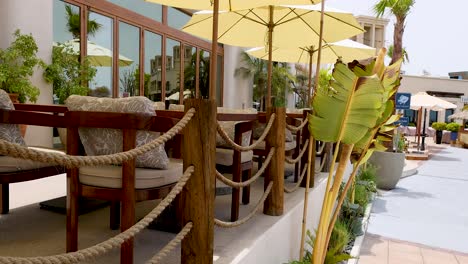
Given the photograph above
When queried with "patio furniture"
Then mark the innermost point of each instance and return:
(463, 138)
(150, 176)
(14, 170)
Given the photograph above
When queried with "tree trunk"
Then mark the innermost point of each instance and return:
(398, 39)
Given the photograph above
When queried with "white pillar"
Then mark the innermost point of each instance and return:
(35, 17)
(237, 91)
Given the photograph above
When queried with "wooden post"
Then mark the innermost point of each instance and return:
(72, 192)
(128, 196)
(275, 172)
(198, 194)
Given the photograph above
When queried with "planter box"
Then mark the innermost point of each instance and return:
(360, 239)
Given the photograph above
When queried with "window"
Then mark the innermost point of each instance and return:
(153, 66)
(448, 112)
(173, 71)
(129, 60)
(150, 10)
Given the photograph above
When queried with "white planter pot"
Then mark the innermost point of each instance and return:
(389, 168)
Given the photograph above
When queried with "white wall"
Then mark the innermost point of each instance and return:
(237, 90)
(35, 17)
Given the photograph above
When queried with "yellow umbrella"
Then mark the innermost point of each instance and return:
(228, 5)
(346, 50)
(293, 26)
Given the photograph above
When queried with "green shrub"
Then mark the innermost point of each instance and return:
(367, 172)
(361, 195)
(439, 126)
(453, 127)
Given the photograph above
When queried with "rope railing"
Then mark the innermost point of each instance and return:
(297, 128)
(322, 164)
(69, 161)
(250, 215)
(171, 245)
(237, 185)
(299, 157)
(299, 181)
(111, 243)
(320, 150)
(259, 141)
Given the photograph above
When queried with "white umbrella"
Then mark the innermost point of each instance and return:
(463, 115)
(424, 101)
(97, 55)
(175, 96)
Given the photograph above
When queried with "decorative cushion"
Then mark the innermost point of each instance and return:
(111, 176)
(9, 132)
(10, 164)
(159, 105)
(225, 156)
(229, 126)
(103, 141)
(260, 127)
(176, 107)
(287, 146)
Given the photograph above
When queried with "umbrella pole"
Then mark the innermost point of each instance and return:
(311, 54)
(424, 131)
(214, 51)
(317, 70)
(418, 127)
(270, 59)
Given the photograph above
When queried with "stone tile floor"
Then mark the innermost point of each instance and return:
(382, 250)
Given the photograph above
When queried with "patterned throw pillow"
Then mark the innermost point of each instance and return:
(103, 141)
(9, 132)
(259, 128)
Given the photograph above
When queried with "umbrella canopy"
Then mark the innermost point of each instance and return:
(229, 5)
(423, 100)
(175, 96)
(463, 115)
(97, 55)
(291, 26)
(347, 50)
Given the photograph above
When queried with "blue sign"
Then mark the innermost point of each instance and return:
(402, 100)
(403, 121)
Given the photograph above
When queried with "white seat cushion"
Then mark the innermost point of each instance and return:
(225, 156)
(10, 164)
(111, 176)
(287, 145)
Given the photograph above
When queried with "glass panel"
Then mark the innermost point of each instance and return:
(129, 57)
(176, 18)
(173, 71)
(151, 10)
(153, 62)
(190, 63)
(432, 117)
(66, 22)
(204, 74)
(448, 112)
(100, 31)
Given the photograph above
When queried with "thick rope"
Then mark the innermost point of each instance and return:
(320, 151)
(237, 147)
(296, 160)
(322, 164)
(171, 245)
(299, 181)
(250, 215)
(69, 161)
(111, 243)
(294, 128)
(238, 185)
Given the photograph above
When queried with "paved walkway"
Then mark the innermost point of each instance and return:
(428, 210)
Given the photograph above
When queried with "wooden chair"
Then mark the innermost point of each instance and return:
(13, 170)
(124, 184)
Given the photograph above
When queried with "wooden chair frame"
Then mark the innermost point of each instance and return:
(38, 115)
(127, 195)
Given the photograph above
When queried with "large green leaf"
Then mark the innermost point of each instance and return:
(349, 112)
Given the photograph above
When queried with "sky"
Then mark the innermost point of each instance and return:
(435, 34)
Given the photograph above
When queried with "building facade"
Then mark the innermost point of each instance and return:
(375, 31)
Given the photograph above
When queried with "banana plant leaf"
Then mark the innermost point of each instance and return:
(348, 112)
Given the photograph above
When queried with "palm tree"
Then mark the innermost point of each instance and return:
(400, 9)
(405, 53)
(74, 26)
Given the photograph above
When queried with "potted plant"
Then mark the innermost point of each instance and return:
(453, 128)
(439, 127)
(68, 76)
(17, 65)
